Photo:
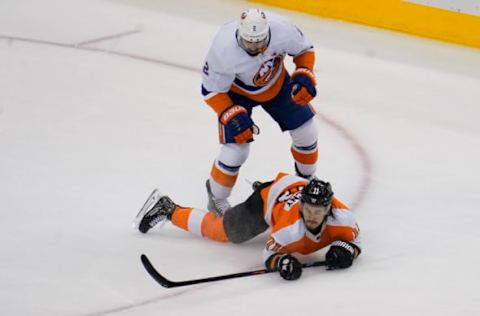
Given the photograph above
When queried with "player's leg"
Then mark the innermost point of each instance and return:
(298, 121)
(157, 210)
(241, 223)
(224, 174)
(200, 222)
(246, 220)
(304, 148)
(225, 169)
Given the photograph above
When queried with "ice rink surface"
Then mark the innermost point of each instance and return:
(100, 103)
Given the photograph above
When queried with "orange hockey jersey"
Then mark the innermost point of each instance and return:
(288, 231)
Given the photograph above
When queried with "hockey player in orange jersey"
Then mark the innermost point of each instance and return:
(244, 69)
(303, 217)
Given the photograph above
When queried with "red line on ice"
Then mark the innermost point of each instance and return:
(108, 37)
(363, 156)
(94, 49)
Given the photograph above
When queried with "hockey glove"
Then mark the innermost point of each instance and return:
(235, 125)
(340, 255)
(287, 265)
(303, 86)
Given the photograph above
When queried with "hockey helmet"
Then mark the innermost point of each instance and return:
(317, 192)
(253, 26)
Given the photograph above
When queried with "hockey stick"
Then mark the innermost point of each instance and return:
(168, 284)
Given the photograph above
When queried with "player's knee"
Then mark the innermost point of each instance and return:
(234, 154)
(306, 134)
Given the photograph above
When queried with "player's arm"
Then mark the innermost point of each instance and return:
(235, 123)
(216, 81)
(341, 254)
(303, 78)
(284, 241)
(305, 60)
(347, 241)
(287, 265)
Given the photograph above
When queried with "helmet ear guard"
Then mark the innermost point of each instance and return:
(317, 192)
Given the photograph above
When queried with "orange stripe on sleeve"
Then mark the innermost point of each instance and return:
(219, 102)
(223, 178)
(180, 217)
(305, 158)
(305, 60)
(212, 227)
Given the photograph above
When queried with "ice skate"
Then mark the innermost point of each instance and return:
(157, 210)
(218, 206)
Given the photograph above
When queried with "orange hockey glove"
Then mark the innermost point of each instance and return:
(303, 86)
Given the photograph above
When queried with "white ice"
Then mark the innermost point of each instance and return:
(90, 124)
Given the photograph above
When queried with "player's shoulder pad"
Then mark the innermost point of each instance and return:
(337, 203)
(292, 178)
(225, 39)
(341, 217)
(280, 175)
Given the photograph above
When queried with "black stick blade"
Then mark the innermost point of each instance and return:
(154, 273)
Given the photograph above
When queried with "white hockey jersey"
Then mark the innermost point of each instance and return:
(230, 68)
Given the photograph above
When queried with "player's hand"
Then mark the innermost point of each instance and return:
(236, 126)
(340, 255)
(303, 86)
(287, 265)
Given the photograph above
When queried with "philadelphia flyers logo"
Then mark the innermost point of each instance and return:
(267, 71)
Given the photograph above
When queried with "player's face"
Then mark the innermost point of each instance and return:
(254, 47)
(314, 215)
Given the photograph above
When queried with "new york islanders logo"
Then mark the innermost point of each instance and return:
(267, 71)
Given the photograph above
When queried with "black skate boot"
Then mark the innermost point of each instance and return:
(158, 209)
(218, 206)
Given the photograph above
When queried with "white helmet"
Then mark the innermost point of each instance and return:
(253, 25)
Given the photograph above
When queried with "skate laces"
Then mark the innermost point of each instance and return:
(161, 211)
(154, 221)
(221, 204)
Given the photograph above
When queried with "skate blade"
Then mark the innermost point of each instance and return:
(152, 199)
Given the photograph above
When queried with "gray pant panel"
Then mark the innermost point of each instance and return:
(245, 220)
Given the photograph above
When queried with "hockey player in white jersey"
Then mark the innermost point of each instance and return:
(244, 68)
